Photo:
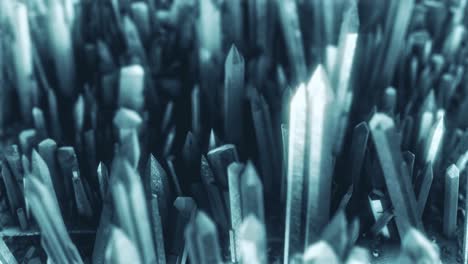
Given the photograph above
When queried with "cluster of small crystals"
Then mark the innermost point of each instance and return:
(229, 131)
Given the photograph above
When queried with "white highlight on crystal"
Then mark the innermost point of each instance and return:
(436, 138)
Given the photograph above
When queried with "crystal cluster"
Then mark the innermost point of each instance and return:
(229, 131)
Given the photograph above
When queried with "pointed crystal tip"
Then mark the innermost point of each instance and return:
(234, 56)
(319, 84)
(250, 175)
(453, 171)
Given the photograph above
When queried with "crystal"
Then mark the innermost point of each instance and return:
(284, 172)
(234, 171)
(382, 221)
(23, 221)
(251, 191)
(6, 256)
(173, 175)
(435, 139)
(219, 159)
(104, 230)
(213, 141)
(215, 199)
(209, 26)
(453, 41)
(39, 122)
(79, 114)
(23, 59)
(341, 78)
(167, 117)
(252, 241)
(132, 39)
(27, 139)
(41, 171)
(409, 160)
(91, 152)
(58, 244)
(210, 77)
(196, 111)
(233, 24)
(336, 234)
(452, 177)
(169, 142)
(464, 244)
(103, 178)
(140, 13)
(202, 240)
(60, 40)
(360, 138)
(131, 86)
(395, 30)
(320, 154)
(127, 192)
(13, 159)
(191, 153)
(157, 229)
(295, 176)
(358, 255)
(418, 248)
(320, 252)
(47, 149)
(425, 126)
(293, 38)
(425, 183)
(118, 240)
(269, 162)
(83, 203)
(12, 190)
(125, 120)
(68, 162)
(397, 182)
(186, 210)
(54, 122)
(157, 184)
(234, 93)
(130, 148)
